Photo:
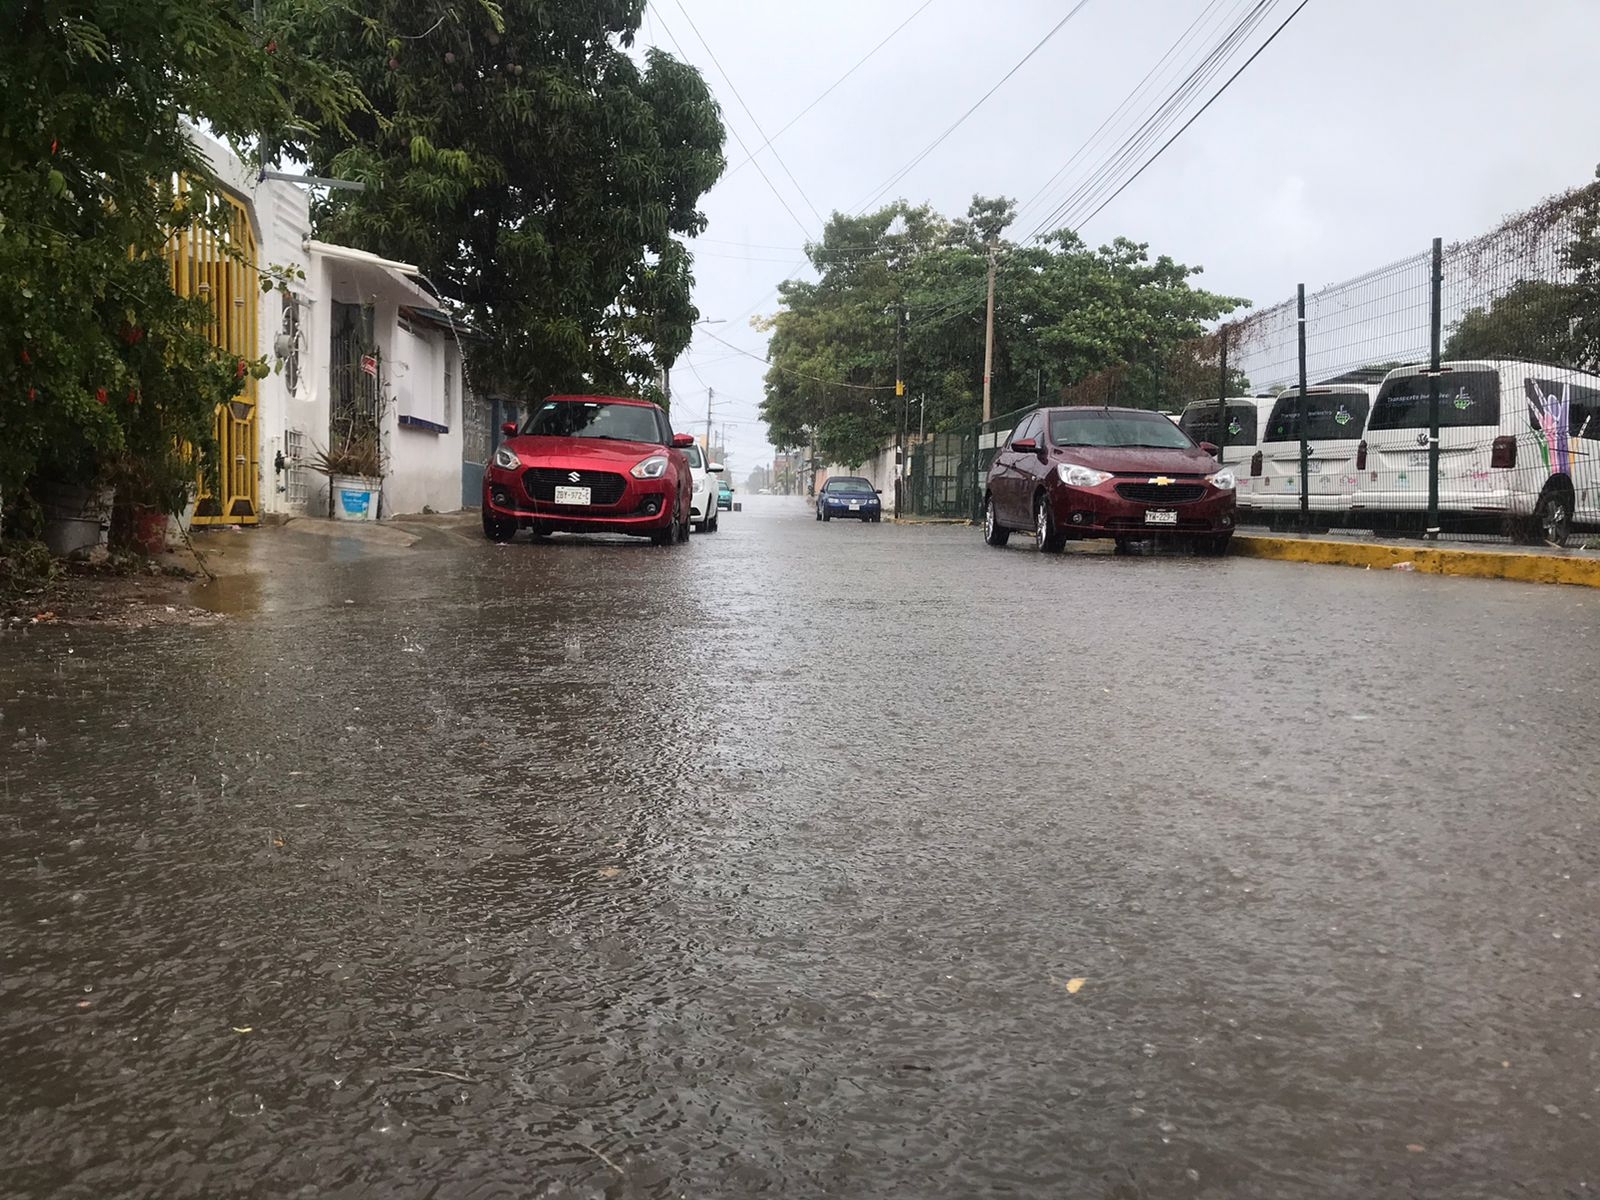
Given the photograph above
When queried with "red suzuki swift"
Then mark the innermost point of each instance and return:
(1120, 473)
(590, 464)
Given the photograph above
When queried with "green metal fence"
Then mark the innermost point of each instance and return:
(945, 473)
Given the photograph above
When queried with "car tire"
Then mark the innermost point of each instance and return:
(498, 529)
(672, 533)
(994, 533)
(1214, 546)
(1046, 537)
(1551, 523)
(827, 516)
(819, 514)
(1123, 546)
(711, 525)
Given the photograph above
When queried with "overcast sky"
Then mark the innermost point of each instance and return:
(1366, 129)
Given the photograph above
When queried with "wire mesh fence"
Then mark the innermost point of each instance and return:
(1451, 394)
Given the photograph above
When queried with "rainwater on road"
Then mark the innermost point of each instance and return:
(804, 860)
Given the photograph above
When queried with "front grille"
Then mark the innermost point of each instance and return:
(1161, 493)
(605, 487)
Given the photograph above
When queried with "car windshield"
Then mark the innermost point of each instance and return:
(1108, 427)
(1329, 415)
(1465, 398)
(849, 487)
(594, 419)
(692, 453)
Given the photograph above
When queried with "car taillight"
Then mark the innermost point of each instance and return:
(1255, 463)
(1361, 455)
(1504, 453)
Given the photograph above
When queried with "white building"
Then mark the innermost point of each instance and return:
(347, 330)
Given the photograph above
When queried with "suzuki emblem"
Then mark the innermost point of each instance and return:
(574, 476)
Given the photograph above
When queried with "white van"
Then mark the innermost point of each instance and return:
(1199, 421)
(1519, 446)
(1335, 419)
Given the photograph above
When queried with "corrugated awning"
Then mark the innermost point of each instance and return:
(377, 273)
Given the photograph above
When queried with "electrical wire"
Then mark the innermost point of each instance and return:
(855, 387)
(1198, 115)
(861, 62)
(961, 120)
(767, 144)
(765, 178)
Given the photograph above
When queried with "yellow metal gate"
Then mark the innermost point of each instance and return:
(221, 269)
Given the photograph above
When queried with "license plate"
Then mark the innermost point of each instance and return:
(1417, 458)
(1160, 518)
(855, 505)
(572, 495)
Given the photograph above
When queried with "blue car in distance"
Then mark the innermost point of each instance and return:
(849, 496)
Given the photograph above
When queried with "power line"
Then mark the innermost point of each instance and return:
(861, 62)
(1215, 96)
(764, 177)
(855, 387)
(731, 87)
(934, 145)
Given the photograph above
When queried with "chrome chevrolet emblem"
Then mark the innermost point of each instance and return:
(574, 476)
(1161, 480)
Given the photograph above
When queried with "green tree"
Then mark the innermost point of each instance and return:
(100, 363)
(535, 171)
(1063, 312)
(1582, 258)
(1534, 319)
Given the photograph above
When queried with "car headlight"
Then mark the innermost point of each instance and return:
(506, 459)
(653, 467)
(1075, 476)
(1226, 480)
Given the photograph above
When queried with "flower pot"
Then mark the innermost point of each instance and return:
(149, 532)
(355, 498)
(76, 517)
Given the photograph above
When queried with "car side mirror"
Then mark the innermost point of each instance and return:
(714, 467)
(1025, 445)
(878, 492)
(681, 441)
(509, 429)
(1210, 448)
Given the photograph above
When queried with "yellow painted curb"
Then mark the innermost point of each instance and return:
(1472, 564)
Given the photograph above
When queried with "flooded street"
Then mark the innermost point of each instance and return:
(804, 860)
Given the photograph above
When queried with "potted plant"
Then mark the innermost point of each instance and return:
(151, 489)
(353, 463)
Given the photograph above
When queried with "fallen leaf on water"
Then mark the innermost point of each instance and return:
(1416, 1148)
(610, 872)
(1073, 986)
(244, 1029)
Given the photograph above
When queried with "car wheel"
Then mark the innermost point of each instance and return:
(994, 533)
(1552, 516)
(819, 514)
(672, 533)
(1214, 546)
(1123, 546)
(827, 516)
(498, 529)
(711, 525)
(683, 529)
(1045, 535)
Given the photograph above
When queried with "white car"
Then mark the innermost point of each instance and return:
(704, 476)
(1519, 444)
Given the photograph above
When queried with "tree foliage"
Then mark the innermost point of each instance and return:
(102, 366)
(534, 170)
(1062, 312)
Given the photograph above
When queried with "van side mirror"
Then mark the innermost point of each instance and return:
(509, 429)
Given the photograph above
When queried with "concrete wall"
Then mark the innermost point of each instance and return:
(424, 464)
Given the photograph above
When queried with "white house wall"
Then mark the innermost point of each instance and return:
(423, 469)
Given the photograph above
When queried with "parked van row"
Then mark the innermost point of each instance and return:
(1519, 449)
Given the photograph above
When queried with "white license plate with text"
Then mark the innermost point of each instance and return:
(854, 505)
(572, 495)
(1157, 517)
(1418, 458)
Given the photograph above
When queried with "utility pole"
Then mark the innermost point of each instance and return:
(710, 392)
(988, 339)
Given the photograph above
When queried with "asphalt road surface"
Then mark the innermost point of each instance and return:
(804, 860)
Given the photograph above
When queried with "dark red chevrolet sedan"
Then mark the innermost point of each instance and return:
(590, 464)
(1120, 473)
